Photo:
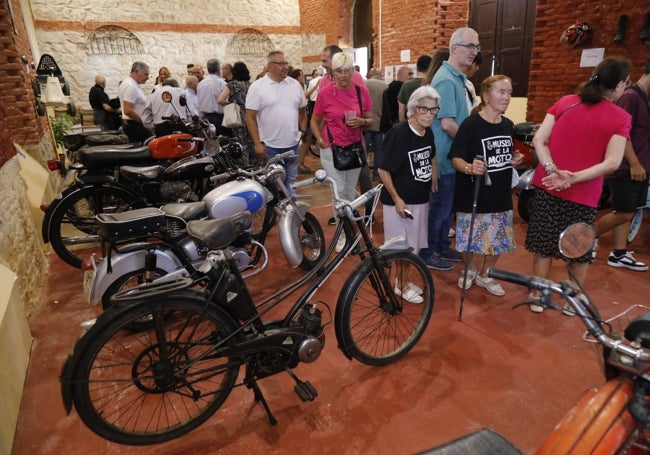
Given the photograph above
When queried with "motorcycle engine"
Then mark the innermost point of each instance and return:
(178, 192)
(241, 258)
(309, 348)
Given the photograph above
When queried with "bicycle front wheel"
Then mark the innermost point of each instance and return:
(381, 314)
(156, 384)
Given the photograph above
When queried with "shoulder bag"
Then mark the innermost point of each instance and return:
(351, 156)
(231, 116)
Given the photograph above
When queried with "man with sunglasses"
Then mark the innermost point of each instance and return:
(449, 82)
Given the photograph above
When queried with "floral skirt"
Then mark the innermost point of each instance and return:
(493, 233)
(550, 215)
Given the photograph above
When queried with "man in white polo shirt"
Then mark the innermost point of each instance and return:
(276, 113)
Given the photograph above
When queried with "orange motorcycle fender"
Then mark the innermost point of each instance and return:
(599, 424)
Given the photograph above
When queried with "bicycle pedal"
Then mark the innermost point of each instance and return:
(305, 391)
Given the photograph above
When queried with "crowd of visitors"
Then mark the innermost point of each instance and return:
(442, 149)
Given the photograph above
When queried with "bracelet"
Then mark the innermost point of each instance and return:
(467, 169)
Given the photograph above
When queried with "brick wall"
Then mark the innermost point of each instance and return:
(555, 69)
(420, 26)
(15, 77)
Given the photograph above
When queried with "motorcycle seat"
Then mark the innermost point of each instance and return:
(145, 173)
(102, 156)
(186, 211)
(132, 223)
(482, 442)
(218, 234)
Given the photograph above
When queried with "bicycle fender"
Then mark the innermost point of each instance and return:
(288, 229)
(123, 263)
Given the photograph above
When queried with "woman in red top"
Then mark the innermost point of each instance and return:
(581, 139)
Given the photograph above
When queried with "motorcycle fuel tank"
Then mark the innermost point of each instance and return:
(235, 197)
(190, 168)
(169, 147)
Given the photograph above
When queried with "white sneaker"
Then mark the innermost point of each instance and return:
(410, 296)
(340, 244)
(412, 286)
(452, 232)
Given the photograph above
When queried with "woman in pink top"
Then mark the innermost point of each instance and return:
(581, 139)
(333, 118)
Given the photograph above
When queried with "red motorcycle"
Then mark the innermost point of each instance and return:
(613, 419)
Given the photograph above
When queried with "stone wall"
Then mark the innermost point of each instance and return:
(170, 36)
(20, 248)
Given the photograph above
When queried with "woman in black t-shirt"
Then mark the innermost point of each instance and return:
(405, 170)
(488, 134)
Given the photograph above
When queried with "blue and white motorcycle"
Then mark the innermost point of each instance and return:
(134, 259)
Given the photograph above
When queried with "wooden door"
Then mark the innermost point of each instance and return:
(506, 29)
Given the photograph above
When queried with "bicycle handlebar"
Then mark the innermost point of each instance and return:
(569, 292)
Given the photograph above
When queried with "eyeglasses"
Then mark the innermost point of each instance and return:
(281, 63)
(431, 110)
(471, 47)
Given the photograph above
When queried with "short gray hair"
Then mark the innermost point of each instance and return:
(342, 60)
(139, 66)
(426, 91)
(459, 34)
(213, 66)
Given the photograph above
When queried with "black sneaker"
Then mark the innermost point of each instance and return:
(627, 261)
(332, 221)
(451, 255)
(438, 263)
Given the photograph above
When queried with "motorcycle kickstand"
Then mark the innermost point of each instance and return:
(260, 397)
(303, 389)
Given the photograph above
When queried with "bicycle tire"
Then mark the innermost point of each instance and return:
(312, 241)
(127, 392)
(367, 325)
(73, 220)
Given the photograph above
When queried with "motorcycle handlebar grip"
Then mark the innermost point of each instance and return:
(530, 281)
(281, 156)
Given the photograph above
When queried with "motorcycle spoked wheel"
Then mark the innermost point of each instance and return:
(154, 385)
(73, 230)
(312, 242)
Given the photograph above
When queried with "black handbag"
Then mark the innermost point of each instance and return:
(351, 156)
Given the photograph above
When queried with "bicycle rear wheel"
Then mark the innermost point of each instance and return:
(157, 384)
(378, 326)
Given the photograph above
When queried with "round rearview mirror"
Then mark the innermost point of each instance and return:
(576, 240)
(166, 97)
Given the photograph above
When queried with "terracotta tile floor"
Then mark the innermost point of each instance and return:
(510, 370)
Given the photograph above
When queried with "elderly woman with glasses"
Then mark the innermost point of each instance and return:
(406, 168)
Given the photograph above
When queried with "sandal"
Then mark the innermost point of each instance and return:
(533, 306)
(471, 275)
(490, 284)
